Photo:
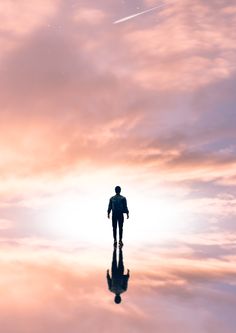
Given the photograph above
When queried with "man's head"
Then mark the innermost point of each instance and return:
(117, 189)
(117, 299)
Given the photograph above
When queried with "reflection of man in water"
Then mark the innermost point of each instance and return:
(118, 205)
(118, 282)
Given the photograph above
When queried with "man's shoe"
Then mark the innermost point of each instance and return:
(121, 243)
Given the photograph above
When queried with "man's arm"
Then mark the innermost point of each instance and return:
(108, 280)
(126, 210)
(125, 282)
(109, 209)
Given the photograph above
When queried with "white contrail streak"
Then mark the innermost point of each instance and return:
(140, 13)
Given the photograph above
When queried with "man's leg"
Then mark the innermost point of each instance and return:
(114, 226)
(114, 264)
(120, 263)
(121, 222)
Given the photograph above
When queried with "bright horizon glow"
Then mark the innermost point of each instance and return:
(83, 216)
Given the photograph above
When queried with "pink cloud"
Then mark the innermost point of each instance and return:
(46, 290)
(151, 99)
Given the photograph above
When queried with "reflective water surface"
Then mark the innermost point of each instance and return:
(174, 286)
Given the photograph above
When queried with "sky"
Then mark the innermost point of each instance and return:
(148, 104)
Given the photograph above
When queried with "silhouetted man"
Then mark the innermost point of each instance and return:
(118, 205)
(118, 282)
